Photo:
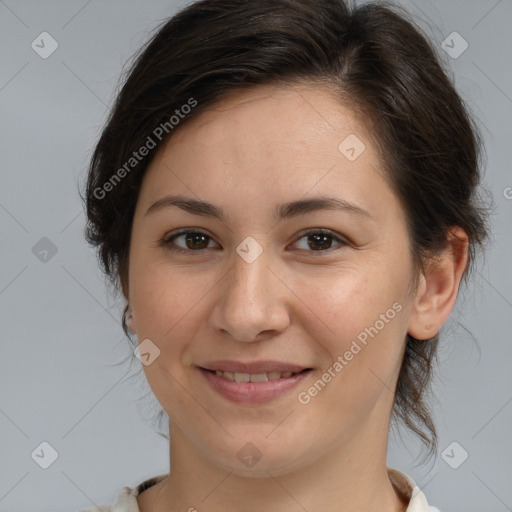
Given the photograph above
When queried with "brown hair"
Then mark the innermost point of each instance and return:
(371, 56)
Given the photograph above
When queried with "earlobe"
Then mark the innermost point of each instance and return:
(130, 320)
(438, 287)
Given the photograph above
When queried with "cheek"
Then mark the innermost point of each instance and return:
(340, 305)
(161, 297)
(357, 317)
(166, 304)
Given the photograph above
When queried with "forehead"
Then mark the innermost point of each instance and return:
(276, 114)
(279, 142)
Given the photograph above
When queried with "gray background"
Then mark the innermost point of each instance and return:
(62, 376)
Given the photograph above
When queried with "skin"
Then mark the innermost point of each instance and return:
(296, 303)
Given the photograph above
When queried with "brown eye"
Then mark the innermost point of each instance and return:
(319, 241)
(196, 241)
(188, 241)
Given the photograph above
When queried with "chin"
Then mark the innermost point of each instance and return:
(260, 459)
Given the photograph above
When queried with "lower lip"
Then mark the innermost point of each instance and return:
(252, 392)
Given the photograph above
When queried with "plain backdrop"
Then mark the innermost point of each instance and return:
(62, 376)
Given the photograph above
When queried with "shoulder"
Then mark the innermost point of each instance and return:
(407, 488)
(126, 500)
(98, 508)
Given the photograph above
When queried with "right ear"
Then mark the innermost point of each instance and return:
(130, 320)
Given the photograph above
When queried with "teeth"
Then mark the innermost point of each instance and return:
(253, 377)
(242, 377)
(258, 377)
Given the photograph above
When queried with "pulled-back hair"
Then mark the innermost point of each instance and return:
(372, 57)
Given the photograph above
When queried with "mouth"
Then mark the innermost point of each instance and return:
(253, 382)
(254, 377)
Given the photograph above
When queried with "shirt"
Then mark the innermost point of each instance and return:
(405, 486)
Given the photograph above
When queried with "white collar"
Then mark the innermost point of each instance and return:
(126, 501)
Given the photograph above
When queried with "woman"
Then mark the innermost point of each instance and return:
(285, 193)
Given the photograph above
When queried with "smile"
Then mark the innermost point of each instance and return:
(254, 377)
(256, 386)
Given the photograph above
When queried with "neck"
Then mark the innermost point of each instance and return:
(350, 476)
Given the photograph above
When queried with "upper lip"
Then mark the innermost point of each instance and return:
(253, 367)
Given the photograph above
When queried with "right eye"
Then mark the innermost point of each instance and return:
(185, 241)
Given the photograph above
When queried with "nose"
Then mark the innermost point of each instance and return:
(251, 302)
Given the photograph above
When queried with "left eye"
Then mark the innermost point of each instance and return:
(318, 241)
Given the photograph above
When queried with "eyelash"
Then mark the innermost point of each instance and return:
(168, 240)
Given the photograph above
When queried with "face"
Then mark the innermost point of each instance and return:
(265, 241)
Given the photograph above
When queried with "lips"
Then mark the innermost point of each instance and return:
(255, 382)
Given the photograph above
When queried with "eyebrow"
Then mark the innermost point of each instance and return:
(283, 211)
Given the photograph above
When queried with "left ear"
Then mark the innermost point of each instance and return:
(438, 287)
